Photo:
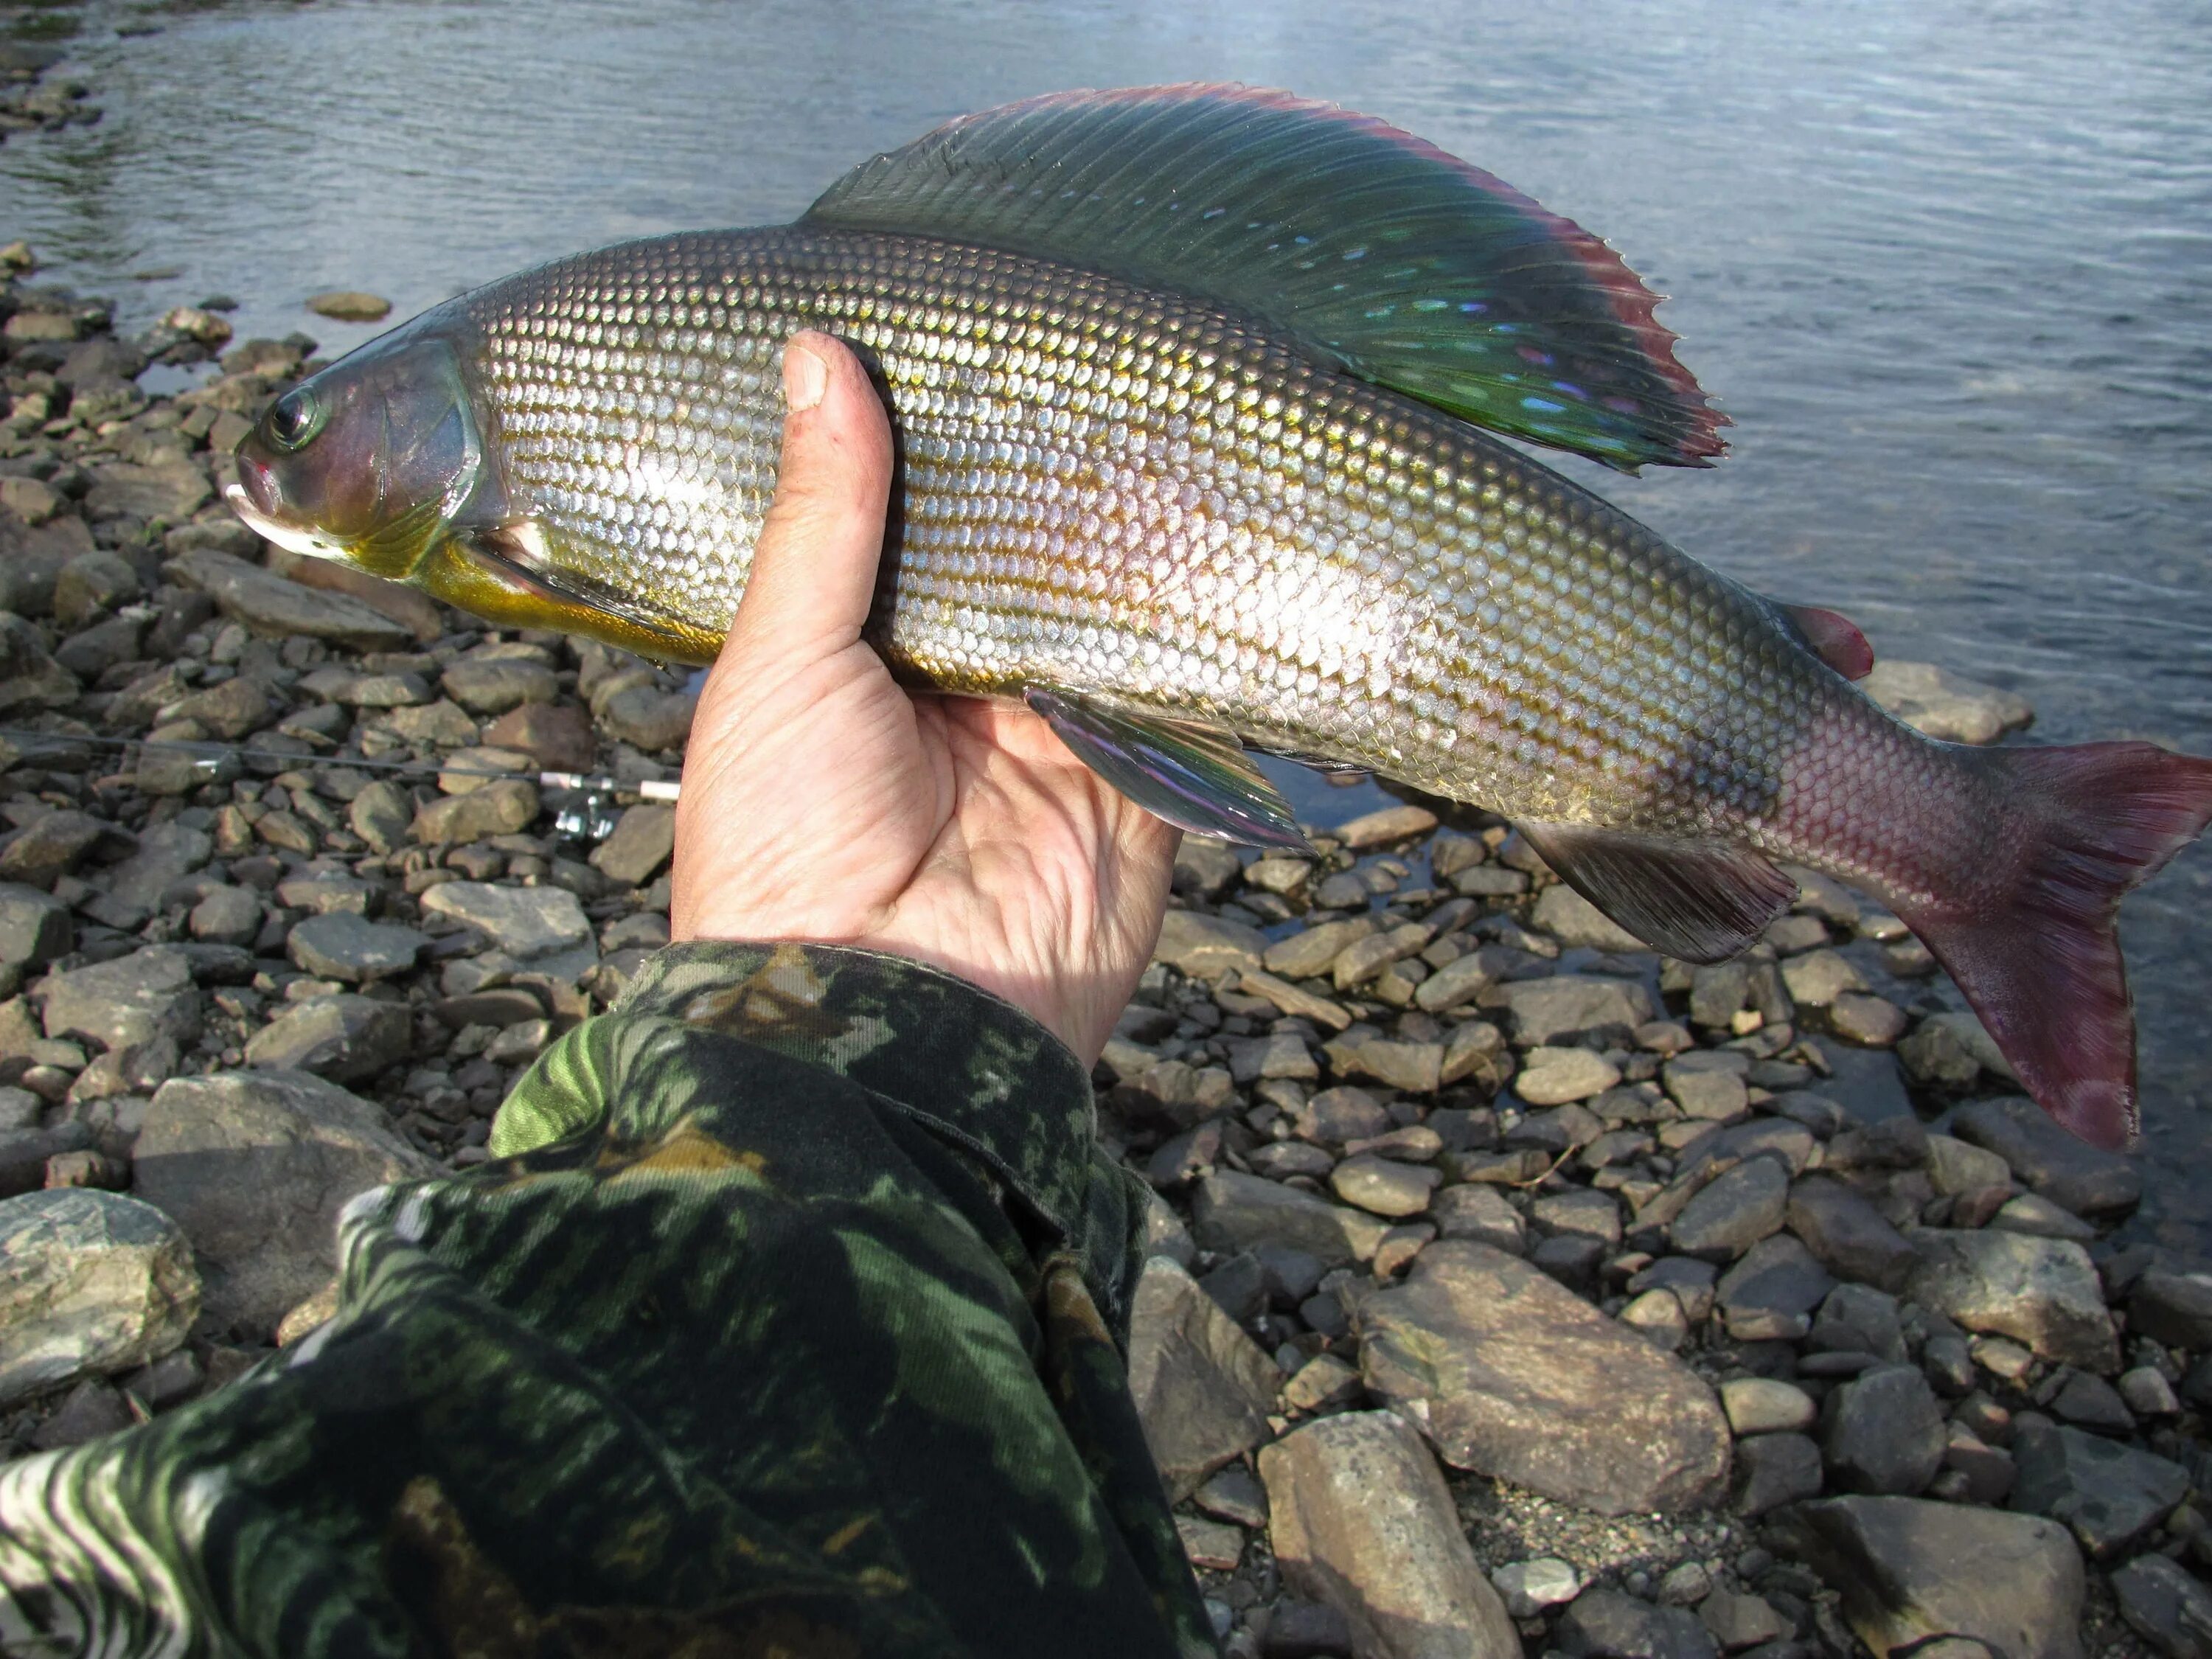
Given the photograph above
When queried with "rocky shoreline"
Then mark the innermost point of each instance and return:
(1512, 1291)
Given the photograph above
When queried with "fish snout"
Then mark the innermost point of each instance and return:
(257, 481)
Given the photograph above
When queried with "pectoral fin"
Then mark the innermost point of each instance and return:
(1197, 777)
(1696, 903)
(504, 575)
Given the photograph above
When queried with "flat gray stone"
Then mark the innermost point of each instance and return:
(1515, 1376)
(346, 1038)
(2070, 1173)
(90, 1283)
(1384, 1187)
(1202, 1388)
(1205, 947)
(1762, 1404)
(2167, 1607)
(35, 927)
(1773, 1470)
(1771, 1292)
(1909, 1570)
(342, 945)
(129, 1000)
(2042, 1292)
(643, 838)
(1604, 1621)
(1308, 954)
(1884, 1433)
(1360, 1519)
(1570, 918)
(525, 922)
(255, 1167)
(2172, 1308)
(1735, 1211)
(2109, 1493)
(269, 604)
(1566, 1006)
(1234, 1212)
(1849, 1236)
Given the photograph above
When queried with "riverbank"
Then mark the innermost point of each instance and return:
(1739, 1309)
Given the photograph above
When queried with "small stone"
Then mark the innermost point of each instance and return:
(1658, 1318)
(1958, 1166)
(1531, 1587)
(1384, 1186)
(643, 839)
(90, 1281)
(347, 1039)
(502, 808)
(1322, 1382)
(1760, 1405)
(1204, 946)
(2046, 1159)
(1705, 1087)
(343, 946)
(1415, 1068)
(1770, 1293)
(1362, 1520)
(1205, 867)
(558, 737)
(1871, 1022)
(1545, 1011)
(1552, 1077)
(2172, 1308)
(1459, 981)
(348, 305)
(2035, 1214)
(1514, 1377)
(1605, 1621)
(380, 816)
(1364, 958)
(1849, 1236)
(1480, 1213)
(1739, 1621)
(1210, 1544)
(525, 922)
(1391, 823)
(34, 926)
(269, 604)
(228, 915)
(496, 685)
(2043, 1291)
(1234, 1212)
(2146, 1393)
(2167, 1607)
(1733, 1213)
(2109, 1493)
(1773, 1470)
(92, 1409)
(129, 1000)
(1819, 977)
(2092, 1403)
(50, 846)
(1909, 1570)
(1202, 1388)
(1884, 1433)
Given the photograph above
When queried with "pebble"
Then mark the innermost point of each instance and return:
(1760, 1405)
(1530, 1587)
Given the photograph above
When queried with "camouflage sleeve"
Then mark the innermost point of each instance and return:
(785, 1320)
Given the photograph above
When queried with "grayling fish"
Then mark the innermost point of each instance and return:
(1190, 387)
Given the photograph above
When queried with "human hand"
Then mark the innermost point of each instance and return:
(822, 802)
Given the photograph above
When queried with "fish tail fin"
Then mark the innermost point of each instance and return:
(2041, 962)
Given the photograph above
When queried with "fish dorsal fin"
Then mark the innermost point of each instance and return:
(1695, 902)
(1401, 265)
(1834, 638)
(1197, 777)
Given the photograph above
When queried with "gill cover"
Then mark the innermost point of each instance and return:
(371, 461)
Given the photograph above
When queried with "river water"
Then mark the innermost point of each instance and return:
(1947, 266)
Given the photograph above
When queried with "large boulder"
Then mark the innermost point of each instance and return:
(89, 1282)
(1515, 1376)
(1909, 1570)
(255, 1166)
(1361, 1519)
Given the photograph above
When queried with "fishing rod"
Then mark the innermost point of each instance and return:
(210, 754)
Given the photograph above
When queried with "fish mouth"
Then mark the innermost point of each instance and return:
(292, 537)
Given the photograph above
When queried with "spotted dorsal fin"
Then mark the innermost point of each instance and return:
(1380, 253)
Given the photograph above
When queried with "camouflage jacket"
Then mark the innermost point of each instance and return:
(785, 1320)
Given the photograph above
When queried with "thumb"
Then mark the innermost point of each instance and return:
(813, 573)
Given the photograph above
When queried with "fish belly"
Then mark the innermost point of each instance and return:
(1133, 495)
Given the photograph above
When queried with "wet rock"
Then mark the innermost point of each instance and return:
(1849, 1236)
(2165, 1606)
(1361, 1520)
(643, 839)
(91, 585)
(349, 1039)
(1205, 947)
(1480, 1213)
(1202, 1388)
(2043, 1291)
(1708, 1083)
(2109, 1494)
(269, 604)
(1459, 981)
(1771, 1292)
(1772, 1470)
(1733, 1213)
(1572, 919)
(1390, 823)
(348, 305)
(1365, 959)
(1552, 1077)
(129, 1000)
(2046, 1159)
(1383, 1186)
(344, 946)
(1234, 1212)
(1515, 1376)
(2172, 1308)
(1549, 1011)
(525, 922)
(89, 1282)
(1604, 1624)
(1760, 1405)
(34, 926)
(1909, 1570)
(1884, 1433)
(502, 808)
(1945, 705)
(255, 1167)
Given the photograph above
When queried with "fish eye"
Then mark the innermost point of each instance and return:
(295, 418)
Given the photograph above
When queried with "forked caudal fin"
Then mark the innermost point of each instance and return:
(2042, 967)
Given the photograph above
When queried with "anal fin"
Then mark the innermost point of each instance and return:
(1197, 777)
(1696, 903)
